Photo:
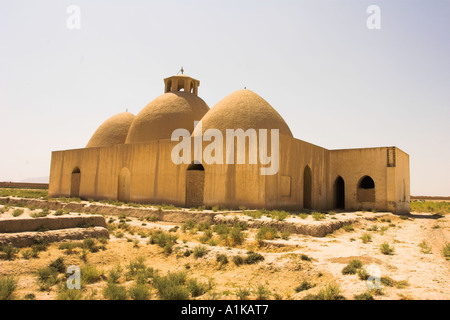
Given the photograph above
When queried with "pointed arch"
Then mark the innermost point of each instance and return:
(307, 188)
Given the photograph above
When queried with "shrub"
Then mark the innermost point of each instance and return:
(221, 229)
(222, 259)
(196, 288)
(243, 293)
(330, 292)
(279, 215)
(352, 267)
(9, 252)
(348, 228)
(69, 294)
(305, 285)
(135, 266)
(162, 239)
(318, 216)
(262, 293)
(303, 215)
(202, 226)
(425, 248)
(17, 212)
(7, 287)
(139, 292)
(200, 251)
(114, 274)
(172, 286)
(59, 212)
(304, 257)
(90, 274)
(47, 277)
(58, 265)
(238, 260)
(253, 257)
(364, 296)
(237, 236)
(446, 251)
(70, 246)
(366, 238)
(188, 225)
(266, 233)
(115, 292)
(386, 249)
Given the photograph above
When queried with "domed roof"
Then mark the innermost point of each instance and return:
(113, 131)
(243, 109)
(168, 112)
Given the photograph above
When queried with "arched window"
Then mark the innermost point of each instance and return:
(366, 190)
(366, 183)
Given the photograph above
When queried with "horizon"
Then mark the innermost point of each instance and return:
(336, 83)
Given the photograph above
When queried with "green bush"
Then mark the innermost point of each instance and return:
(446, 251)
(200, 251)
(386, 249)
(222, 259)
(425, 248)
(366, 238)
(172, 286)
(353, 267)
(139, 292)
(330, 292)
(238, 260)
(364, 296)
(114, 274)
(266, 233)
(221, 229)
(162, 239)
(253, 257)
(17, 212)
(115, 292)
(7, 287)
(196, 288)
(305, 285)
(90, 274)
(9, 252)
(243, 293)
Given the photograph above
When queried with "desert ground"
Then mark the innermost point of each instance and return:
(239, 255)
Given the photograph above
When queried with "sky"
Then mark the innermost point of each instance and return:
(337, 83)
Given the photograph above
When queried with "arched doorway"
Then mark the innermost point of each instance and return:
(123, 190)
(307, 187)
(339, 193)
(75, 181)
(195, 185)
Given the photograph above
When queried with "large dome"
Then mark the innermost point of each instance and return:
(168, 112)
(243, 109)
(113, 131)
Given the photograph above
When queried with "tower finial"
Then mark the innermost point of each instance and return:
(181, 70)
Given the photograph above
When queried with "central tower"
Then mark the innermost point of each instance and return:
(181, 82)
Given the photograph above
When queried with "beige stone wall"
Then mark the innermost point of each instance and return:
(154, 178)
(353, 164)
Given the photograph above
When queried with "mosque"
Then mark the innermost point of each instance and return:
(130, 158)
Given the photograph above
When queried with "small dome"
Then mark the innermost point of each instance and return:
(168, 112)
(244, 110)
(113, 131)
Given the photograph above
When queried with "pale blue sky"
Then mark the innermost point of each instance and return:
(336, 83)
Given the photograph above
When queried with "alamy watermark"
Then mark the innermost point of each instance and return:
(213, 153)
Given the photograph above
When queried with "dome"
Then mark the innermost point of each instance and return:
(113, 131)
(244, 110)
(168, 112)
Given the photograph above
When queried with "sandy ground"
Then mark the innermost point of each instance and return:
(283, 269)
